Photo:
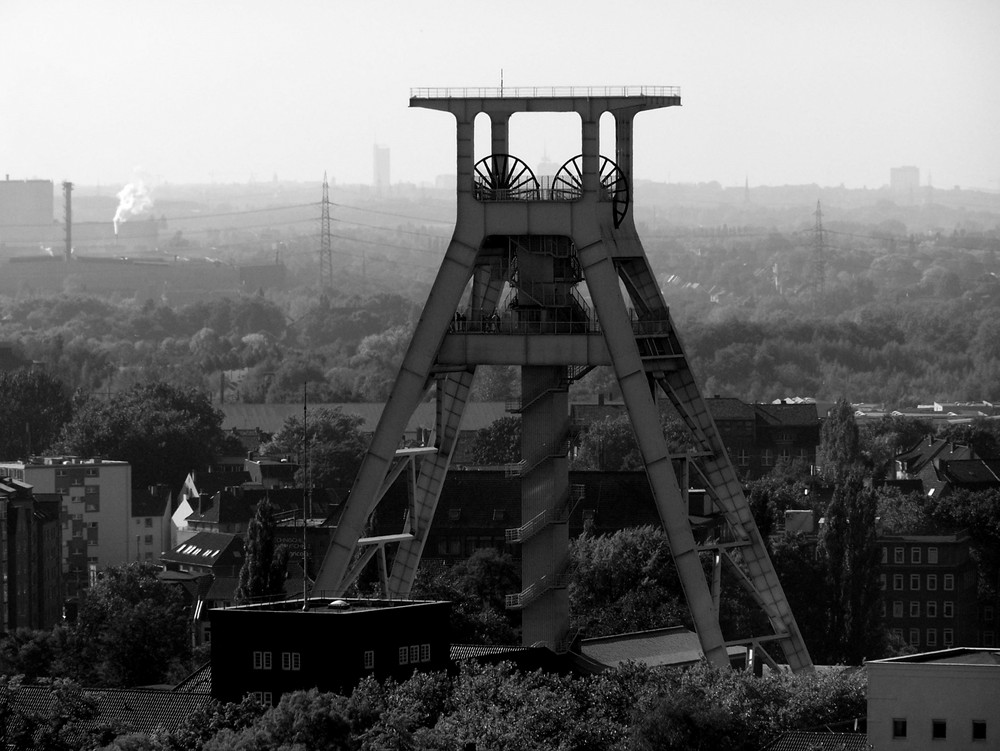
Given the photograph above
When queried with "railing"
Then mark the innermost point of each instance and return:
(542, 92)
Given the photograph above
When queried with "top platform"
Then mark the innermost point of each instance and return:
(547, 92)
(581, 99)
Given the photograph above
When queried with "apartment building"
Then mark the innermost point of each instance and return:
(929, 587)
(96, 510)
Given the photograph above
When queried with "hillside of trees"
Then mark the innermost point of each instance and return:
(900, 305)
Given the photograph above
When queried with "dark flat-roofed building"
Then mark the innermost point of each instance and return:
(273, 648)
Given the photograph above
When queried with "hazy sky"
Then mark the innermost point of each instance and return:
(778, 91)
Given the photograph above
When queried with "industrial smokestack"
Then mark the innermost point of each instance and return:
(68, 196)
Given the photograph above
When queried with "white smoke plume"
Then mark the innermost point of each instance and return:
(133, 199)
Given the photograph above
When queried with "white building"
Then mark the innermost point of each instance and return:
(97, 527)
(935, 700)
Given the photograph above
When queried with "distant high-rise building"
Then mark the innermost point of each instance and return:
(904, 181)
(381, 163)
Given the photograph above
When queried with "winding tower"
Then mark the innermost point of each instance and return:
(508, 293)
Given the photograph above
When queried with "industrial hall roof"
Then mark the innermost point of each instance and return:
(270, 418)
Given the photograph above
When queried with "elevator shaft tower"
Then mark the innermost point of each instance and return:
(508, 293)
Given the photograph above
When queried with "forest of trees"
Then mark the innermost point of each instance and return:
(908, 311)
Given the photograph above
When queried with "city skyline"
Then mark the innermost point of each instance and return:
(775, 93)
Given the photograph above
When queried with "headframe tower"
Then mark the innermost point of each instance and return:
(508, 293)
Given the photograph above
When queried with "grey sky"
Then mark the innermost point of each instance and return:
(780, 91)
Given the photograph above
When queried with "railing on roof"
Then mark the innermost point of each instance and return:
(542, 92)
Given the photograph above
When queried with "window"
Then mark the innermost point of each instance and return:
(932, 557)
(899, 728)
(932, 637)
(949, 637)
(988, 613)
(404, 655)
(261, 660)
(914, 609)
(882, 582)
(939, 729)
(454, 514)
(885, 554)
(931, 582)
(931, 609)
(369, 659)
(415, 653)
(883, 609)
(149, 521)
(914, 581)
(979, 730)
(949, 581)
(916, 555)
(149, 539)
(425, 652)
(291, 661)
(948, 611)
(897, 555)
(897, 581)
(914, 637)
(743, 457)
(989, 639)
(897, 609)
(767, 458)
(498, 514)
(91, 472)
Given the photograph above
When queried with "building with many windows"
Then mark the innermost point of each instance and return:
(935, 700)
(96, 511)
(269, 649)
(929, 588)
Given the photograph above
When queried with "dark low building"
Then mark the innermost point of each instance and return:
(273, 648)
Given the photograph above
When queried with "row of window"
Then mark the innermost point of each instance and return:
(289, 661)
(939, 729)
(931, 637)
(930, 609)
(916, 555)
(932, 581)
(415, 653)
(767, 456)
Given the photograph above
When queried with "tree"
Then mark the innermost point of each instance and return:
(839, 450)
(625, 581)
(610, 444)
(499, 442)
(336, 446)
(131, 629)
(263, 572)
(880, 440)
(848, 544)
(36, 406)
(162, 431)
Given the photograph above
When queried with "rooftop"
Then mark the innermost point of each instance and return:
(956, 656)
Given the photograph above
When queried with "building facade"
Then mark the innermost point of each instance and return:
(929, 587)
(30, 557)
(96, 511)
(271, 649)
(946, 699)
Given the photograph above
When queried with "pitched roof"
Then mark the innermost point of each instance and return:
(146, 503)
(206, 549)
(271, 417)
(675, 645)
(787, 414)
(139, 710)
(727, 408)
(801, 740)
